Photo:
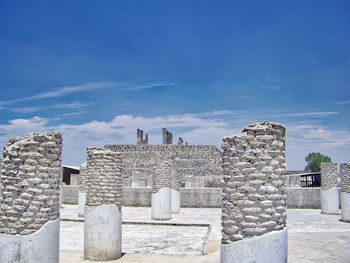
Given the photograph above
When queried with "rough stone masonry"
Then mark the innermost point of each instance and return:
(254, 196)
(103, 185)
(329, 175)
(103, 216)
(30, 182)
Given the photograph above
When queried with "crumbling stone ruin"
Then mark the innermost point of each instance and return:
(32, 170)
(103, 216)
(329, 188)
(162, 176)
(254, 197)
(167, 137)
(103, 183)
(198, 166)
(345, 177)
(329, 175)
(345, 191)
(82, 177)
(161, 191)
(140, 139)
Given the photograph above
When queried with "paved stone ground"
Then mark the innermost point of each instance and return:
(312, 237)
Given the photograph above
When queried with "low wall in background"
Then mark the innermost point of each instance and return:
(297, 197)
(70, 194)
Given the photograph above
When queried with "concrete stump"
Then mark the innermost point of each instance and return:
(329, 189)
(345, 191)
(254, 196)
(161, 192)
(103, 216)
(29, 222)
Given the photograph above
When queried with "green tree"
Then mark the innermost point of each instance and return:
(314, 161)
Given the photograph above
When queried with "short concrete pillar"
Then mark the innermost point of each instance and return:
(254, 196)
(161, 192)
(345, 191)
(103, 216)
(175, 189)
(329, 189)
(29, 199)
(82, 190)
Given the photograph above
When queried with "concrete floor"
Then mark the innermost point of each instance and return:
(312, 237)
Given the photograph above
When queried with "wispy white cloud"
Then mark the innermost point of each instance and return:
(26, 109)
(342, 102)
(150, 85)
(312, 114)
(62, 91)
(73, 105)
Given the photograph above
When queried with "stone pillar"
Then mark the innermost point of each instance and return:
(103, 216)
(329, 189)
(161, 192)
(345, 191)
(29, 202)
(254, 195)
(82, 189)
(175, 189)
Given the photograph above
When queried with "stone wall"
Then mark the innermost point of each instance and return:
(32, 170)
(69, 194)
(304, 197)
(345, 177)
(329, 176)
(197, 165)
(82, 177)
(254, 196)
(103, 185)
(162, 176)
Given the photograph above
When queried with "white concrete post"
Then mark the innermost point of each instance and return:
(161, 192)
(254, 196)
(103, 216)
(29, 200)
(345, 191)
(82, 190)
(329, 189)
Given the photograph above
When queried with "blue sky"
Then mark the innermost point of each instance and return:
(98, 70)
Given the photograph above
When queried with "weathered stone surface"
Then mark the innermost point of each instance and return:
(196, 165)
(329, 175)
(28, 199)
(254, 197)
(82, 177)
(104, 178)
(345, 177)
(162, 176)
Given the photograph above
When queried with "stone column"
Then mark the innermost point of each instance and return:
(345, 191)
(82, 190)
(254, 195)
(103, 216)
(329, 189)
(175, 189)
(161, 192)
(29, 201)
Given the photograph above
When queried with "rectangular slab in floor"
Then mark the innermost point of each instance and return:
(145, 238)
